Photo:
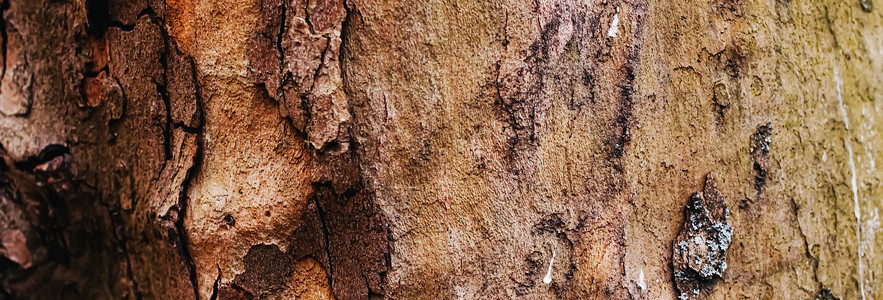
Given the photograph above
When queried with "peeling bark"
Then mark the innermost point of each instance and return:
(351, 149)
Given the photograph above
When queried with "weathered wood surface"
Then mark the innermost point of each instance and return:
(237, 149)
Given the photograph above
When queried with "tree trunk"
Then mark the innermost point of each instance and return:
(278, 149)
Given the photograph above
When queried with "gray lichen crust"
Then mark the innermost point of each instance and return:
(701, 247)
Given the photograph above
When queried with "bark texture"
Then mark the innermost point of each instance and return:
(351, 149)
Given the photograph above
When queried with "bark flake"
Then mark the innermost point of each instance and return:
(701, 247)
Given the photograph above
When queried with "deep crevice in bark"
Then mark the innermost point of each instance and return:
(97, 16)
(180, 235)
(216, 286)
(325, 236)
(197, 162)
(121, 26)
(162, 87)
(318, 73)
(48, 153)
(167, 129)
(344, 208)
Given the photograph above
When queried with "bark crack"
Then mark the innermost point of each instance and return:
(167, 105)
(830, 25)
(183, 200)
(307, 18)
(216, 287)
(345, 208)
(179, 236)
(321, 67)
(627, 89)
(281, 79)
(48, 153)
(197, 162)
(322, 221)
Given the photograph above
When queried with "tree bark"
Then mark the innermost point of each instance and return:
(330, 149)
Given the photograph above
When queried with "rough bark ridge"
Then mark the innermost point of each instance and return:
(277, 149)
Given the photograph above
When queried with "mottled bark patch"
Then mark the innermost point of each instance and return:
(533, 273)
(760, 151)
(721, 101)
(701, 247)
(266, 269)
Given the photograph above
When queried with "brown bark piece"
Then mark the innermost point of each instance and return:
(15, 248)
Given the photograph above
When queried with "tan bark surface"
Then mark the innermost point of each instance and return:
(330, 149)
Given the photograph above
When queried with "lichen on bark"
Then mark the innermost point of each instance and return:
(700, 249)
